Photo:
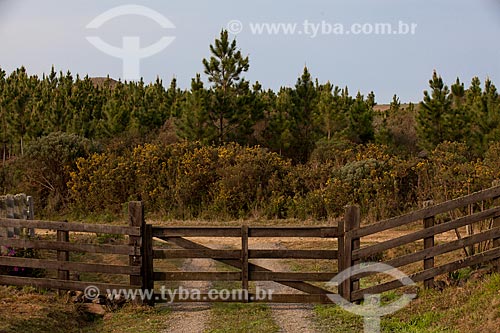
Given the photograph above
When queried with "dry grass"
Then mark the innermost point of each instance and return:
(25, 310)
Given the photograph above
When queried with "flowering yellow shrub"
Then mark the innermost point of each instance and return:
(185, 180)
(102, 181)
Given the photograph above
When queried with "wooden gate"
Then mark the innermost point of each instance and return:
(242, 259)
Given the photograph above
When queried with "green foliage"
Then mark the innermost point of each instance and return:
(435, 112)
(360, 128)
(303, 151)
(194, 123)
(247, 177)
(224, 70)
(47, 165)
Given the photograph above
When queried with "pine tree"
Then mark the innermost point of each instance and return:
(433, 113)
(18, 99)
(477, 110)
(384, 134)
(491, 101)
(458, 122)
(278, 134)
(224, 70)
(360, 129)
(194, 122)
(302, 126)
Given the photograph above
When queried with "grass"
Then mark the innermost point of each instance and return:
(30, 311)
(472, 308)
(25, 310)
(134, 319)
(241, 318)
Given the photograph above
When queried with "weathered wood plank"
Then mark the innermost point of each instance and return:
(70, 226)
(196, 231)
(61, 284)
(428, 244)
(354, 223)
(320, 232)
(444, 207)
(244, 259)
(341, 262)
(293, 254)
(291, 276)
(351, 222)
(496, 224)
(63, 246)
(62, 256)
(237, 298)
(197, 276)
(252, 254)
(136, 219)
(199, 253)
(193, 231)
(439, 249)
(30, 214)
(147, 271)
(432, 272)
(69, 266)
(421, 234)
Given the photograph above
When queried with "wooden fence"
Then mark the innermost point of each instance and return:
(430, 250)
(346, 248)
(62, 246)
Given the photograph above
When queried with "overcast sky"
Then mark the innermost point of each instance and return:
(455, 37)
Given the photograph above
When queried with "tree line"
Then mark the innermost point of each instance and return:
(49, 122)
(229, 109)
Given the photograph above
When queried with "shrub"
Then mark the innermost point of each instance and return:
(247, 178)
(102, 182)
(47, 165)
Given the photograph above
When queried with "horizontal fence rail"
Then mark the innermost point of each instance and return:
(62, 247)
(345, 248)
(427, 234)
(421, 234)
(491, 193)
(71, 226)
(321, 232)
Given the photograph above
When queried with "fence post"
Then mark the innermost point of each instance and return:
(62, 256)
(31, 214)
(341, 255)
(244, 261)
(428, 243)
(17, 211)
(136, 219)
(496, 224)
(147, 267)
(351, 222)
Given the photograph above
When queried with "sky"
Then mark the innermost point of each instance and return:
(458, 38)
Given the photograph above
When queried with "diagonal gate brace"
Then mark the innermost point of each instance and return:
(301, 286)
